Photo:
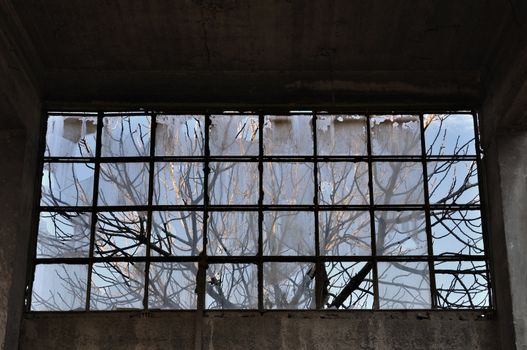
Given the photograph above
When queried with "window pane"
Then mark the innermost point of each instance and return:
(232, 233)
(126, 136)
(71, 136)
(180, 135)
(234, 183)
(63, 235)
(462, 284)
(395, 135)
(176, 233)
(178, 183)
(67, 184)
(288, 135)
(232, 135)
(172, 286)
(349, 285)
(404, 285)
(288, 183)
(289, 233)
(232, 286)
(289, 285)
(401, 233)
(341, 135)
(398, 183)
(449, 134)
(344, 233)
(343, 183)
(59, 287)
(457, 232)
(454, 182)
(123, 184)
(121, 234)
(117, 286)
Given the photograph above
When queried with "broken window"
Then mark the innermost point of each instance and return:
(296, 210)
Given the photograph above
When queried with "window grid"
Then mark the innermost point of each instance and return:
(315, 208)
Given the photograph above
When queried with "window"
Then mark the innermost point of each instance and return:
(296, 210)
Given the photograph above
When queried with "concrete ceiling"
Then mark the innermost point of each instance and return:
(261, 50)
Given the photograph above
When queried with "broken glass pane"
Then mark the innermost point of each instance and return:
(348, 285)
(121, 234)
(232, 233)
(288, 183)
(123, 184)
(289, 285)
(343, 183)
(176, 233)
(344, 233)
(63, 235)
(401, 233)
(457, 232)
(232, 286)
(398, 183)
(234, 135)
(117, 285)
(125, 136)
(180, 135)
(462, 284)
(289, 233)
(178, 183)
(288, 135)
(71, 136)
(404, 285)
(341, 135)
(454, 182)
(67, 184)
(395, 135)
(449, 134)
(172, 286)
(234, 183)
(59, 287)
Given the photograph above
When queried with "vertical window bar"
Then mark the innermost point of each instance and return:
(260, 211)
(373, 260)
(319, 276)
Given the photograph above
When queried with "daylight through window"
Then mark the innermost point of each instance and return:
(298, 210)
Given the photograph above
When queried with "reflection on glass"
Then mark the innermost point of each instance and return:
(404, 285)
(233, 183)
(123, 184)
(178, 183)
(289, 233)
(289, 285)
(344, 233)
(449, 134)
(232, 233)
(349, 285)
(288, 183)
(401, 233)
(63, 235)
(395, 135)
(454, 182)
(343, 183)
(67, 184)
(232, 135)
(457, 232)
(232, 286)
(180, 135)
(288, 135)
(398, 183)
(341, 135)
(462, 284)
(176, 233)
(121, 234)
(117, 286)
(125, 136)
(59, 287)
(71, 136)
(172, 286)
